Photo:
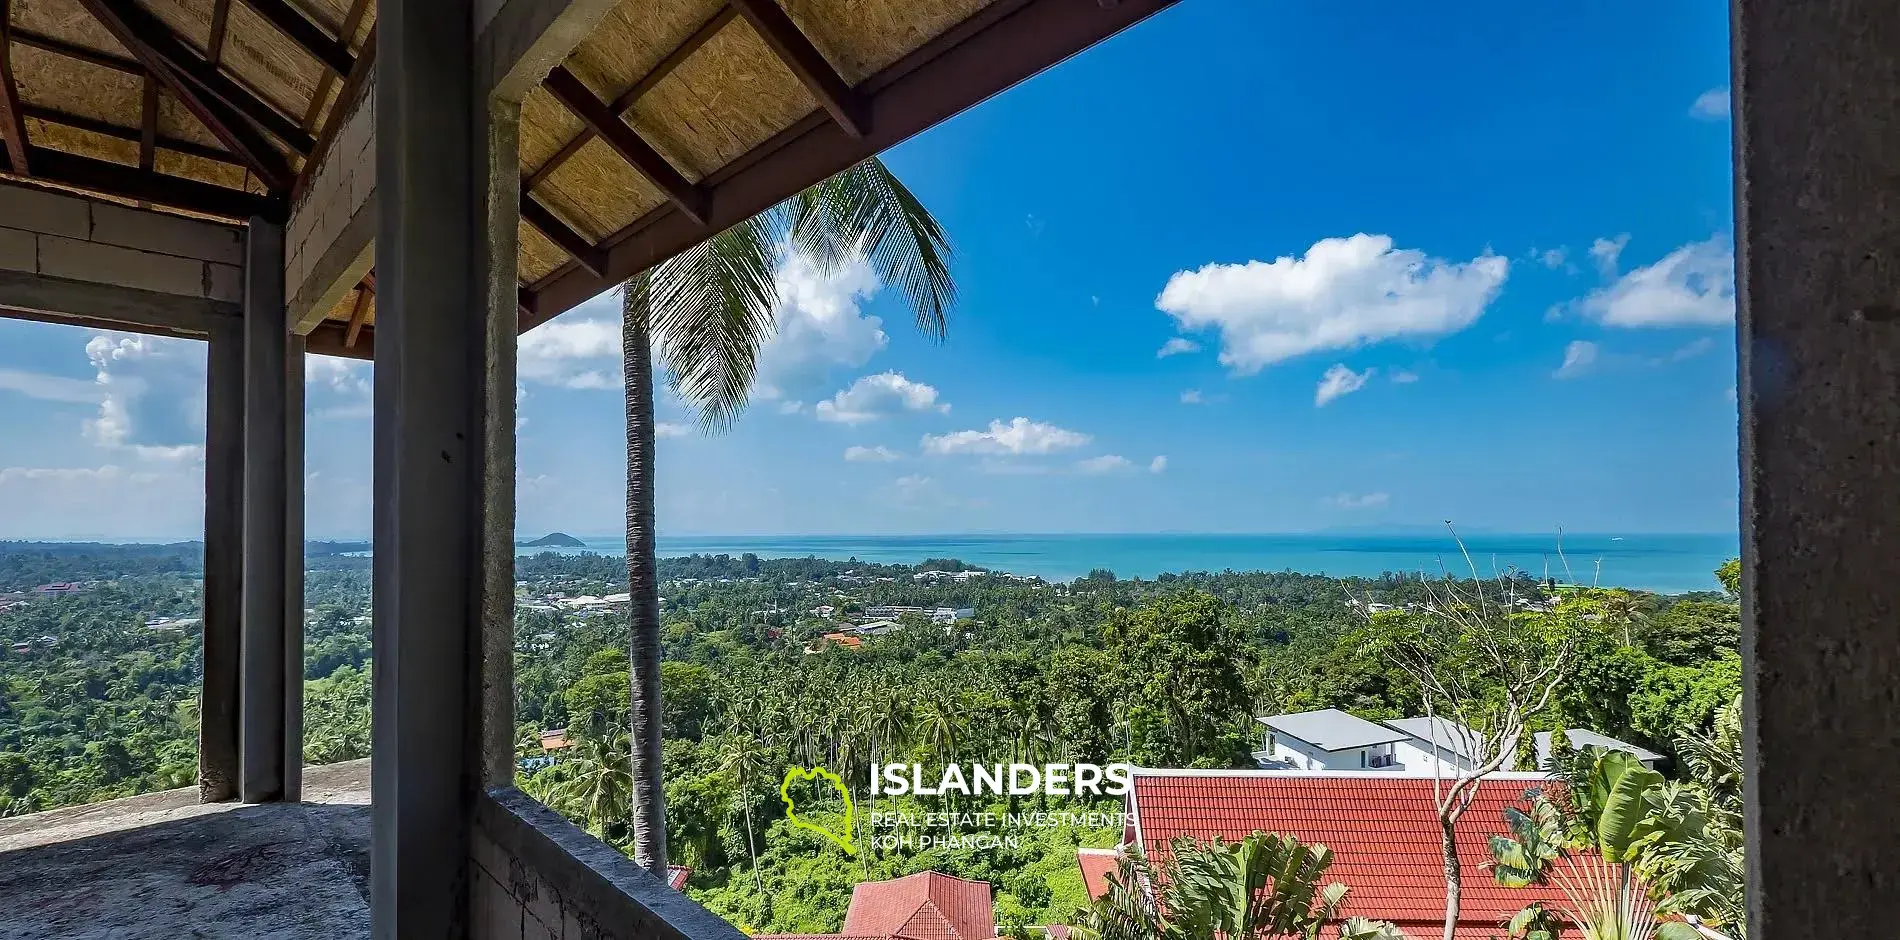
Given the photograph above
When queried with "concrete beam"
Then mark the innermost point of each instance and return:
(293, 568)
(266, 415)
(521, 41)
(1817, 96)
(68, 259)
(218, 765)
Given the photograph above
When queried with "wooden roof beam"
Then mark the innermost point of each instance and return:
(12, 123)
(148, 124)
(210, 95)
(117, 179)
(803, 58)
(61, 47)
(593, 112)
(359, 314)
(332, 52)
(660, 71)
(352, 22)
(133, 134)
(560, 233)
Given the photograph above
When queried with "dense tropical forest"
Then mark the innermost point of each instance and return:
(98, 684)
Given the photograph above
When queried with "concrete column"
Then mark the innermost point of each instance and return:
(266, 412)
(293, 567)
(500, 125)
(1817, 92)
(430, 398)
(223, 565)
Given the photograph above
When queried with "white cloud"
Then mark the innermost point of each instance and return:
(878, 454)
(1692, 349)
(162, 501)
(1711, 105)
(1404, 377)
(1579, 356)
(1193, 396)
(789, 407)
(819, 326)
(341, 388)
(1158, 465)
(876, 396)
(1360, 501)
(1019, 436)
(1176, 346)
(1691, 286)
(50, 387)
(1338, 381)
(1345, 292)
(573, 353)
(1107, 463)
(151, 393)
(670, 429)
(1606, 251)
(1553, 258)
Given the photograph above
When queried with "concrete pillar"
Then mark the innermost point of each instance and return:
(1817, 92)
(218, 772)
(266, 413)
(500, 125)
(430, 401)
(293, 567)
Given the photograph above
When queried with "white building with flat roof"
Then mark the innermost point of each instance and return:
(1327, 739)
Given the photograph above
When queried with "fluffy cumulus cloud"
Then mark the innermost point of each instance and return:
(1691, 286)
(1158, 465)
(1107, 463)
(1359, 500)
(1606, 251)
(1579, 356)
(341, 388)
(1176, 346)
(1339, 381)
(877, 454)
(821, 326)
(1344, 292)
(1711, 105)
(151, 395)
(1017, 437)
(877, 396)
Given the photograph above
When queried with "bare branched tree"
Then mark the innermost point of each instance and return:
(1484, 668)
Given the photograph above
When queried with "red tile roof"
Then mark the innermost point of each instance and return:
(1381, 827)
(924, 906)
(1098, 865)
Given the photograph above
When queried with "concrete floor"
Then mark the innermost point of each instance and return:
(163, 866)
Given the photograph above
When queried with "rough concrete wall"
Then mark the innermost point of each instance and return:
(327, 243)
(535, 876)
(86, 240)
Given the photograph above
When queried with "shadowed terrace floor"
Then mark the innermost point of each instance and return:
(165, 866)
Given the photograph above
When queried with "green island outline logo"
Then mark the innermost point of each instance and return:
(791, 808)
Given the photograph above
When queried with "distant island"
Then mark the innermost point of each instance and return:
(554, 540)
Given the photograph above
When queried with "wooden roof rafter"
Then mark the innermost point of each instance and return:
(129, 134)
(333, 52)
(796, 51)
(166, 56)
(626, 141)
(12, 121)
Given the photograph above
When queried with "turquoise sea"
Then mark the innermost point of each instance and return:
(1666, 563)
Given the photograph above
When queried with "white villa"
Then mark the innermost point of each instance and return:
(1327, 739)
(1330, 739)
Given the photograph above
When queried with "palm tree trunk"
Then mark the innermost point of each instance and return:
(648, 796)
(752, 848)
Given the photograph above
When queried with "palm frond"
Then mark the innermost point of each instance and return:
(866, 211)
(711, 308)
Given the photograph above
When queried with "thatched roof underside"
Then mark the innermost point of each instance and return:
(629, 151)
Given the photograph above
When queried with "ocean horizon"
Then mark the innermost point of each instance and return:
(1665, 563)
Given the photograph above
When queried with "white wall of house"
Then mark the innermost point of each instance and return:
(1416, 756)
(1300, 755)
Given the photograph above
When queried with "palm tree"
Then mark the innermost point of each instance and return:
(597, 784)
(710, 307)
(748, 757)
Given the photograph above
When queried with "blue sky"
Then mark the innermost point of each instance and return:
(1407, 268)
